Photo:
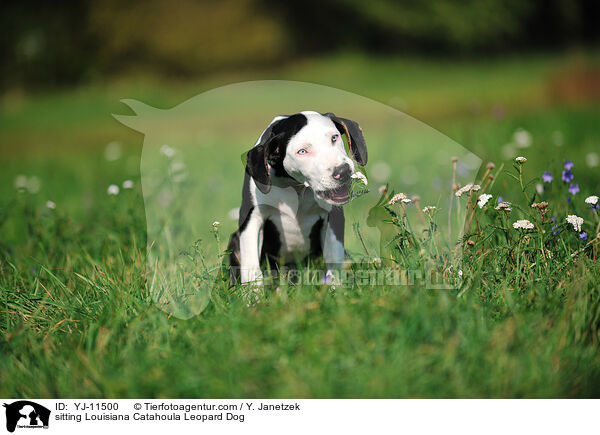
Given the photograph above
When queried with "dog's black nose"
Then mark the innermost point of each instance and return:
(342, 172)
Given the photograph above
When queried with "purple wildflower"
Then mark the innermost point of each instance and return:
(500, 199)
(568, 165)
(567, 176)
(554, 227)
(573, 189)
(583, 236)
(569, 199)
(547, 177)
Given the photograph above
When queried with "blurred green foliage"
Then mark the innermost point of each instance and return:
(76, 320)
(46, 43)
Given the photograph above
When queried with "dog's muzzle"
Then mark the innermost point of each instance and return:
(341, 194)
(337, 196)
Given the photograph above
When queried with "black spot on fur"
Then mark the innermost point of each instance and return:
(271, 244)
(247, 206)
(337, 222)
(234, 242)
(284, 130)
(234, 258)
(271, 149)
(316, 247)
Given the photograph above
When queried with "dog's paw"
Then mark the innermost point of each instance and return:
(252, 276)
(253, 294)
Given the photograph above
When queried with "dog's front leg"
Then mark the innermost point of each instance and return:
(250, 245)
(333, 244)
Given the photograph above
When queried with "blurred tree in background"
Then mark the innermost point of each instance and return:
(61, 43)
(189, 36)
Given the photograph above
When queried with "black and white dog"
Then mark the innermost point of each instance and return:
(297, 178)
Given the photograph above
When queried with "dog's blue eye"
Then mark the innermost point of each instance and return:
(334, 138)
(301, 151)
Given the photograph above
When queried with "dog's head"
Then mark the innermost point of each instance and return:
(308, 148)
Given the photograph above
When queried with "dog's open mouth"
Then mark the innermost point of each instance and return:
(341, 195)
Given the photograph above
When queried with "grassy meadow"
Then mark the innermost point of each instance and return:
(77, 319)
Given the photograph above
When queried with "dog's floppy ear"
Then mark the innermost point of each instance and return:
(257, 159)
(355, 136)
(256, 167)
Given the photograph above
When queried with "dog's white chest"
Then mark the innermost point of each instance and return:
(295, 234)
(295, 218)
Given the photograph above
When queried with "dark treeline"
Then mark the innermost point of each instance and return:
(46, 43)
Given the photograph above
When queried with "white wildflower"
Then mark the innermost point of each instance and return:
(32, 184)
(51, 205)
(382, 189)
(523, 224)
(167, 151)
(520, 159)
(467, 188)
(483, 199)
(113, 151)
(127, 184)
(178, 172)
(361, 177)
(234, 214)
(591, 200)
(576, 221)
(216, 224)
(539, 188)
(113, 189)
(522, 138)
(592, 159)
(398, 197)
(177, 166)
(504, 205)
(20, 182)
(429, 208)
(463, 189)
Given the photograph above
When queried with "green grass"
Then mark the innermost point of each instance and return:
(77, 319)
